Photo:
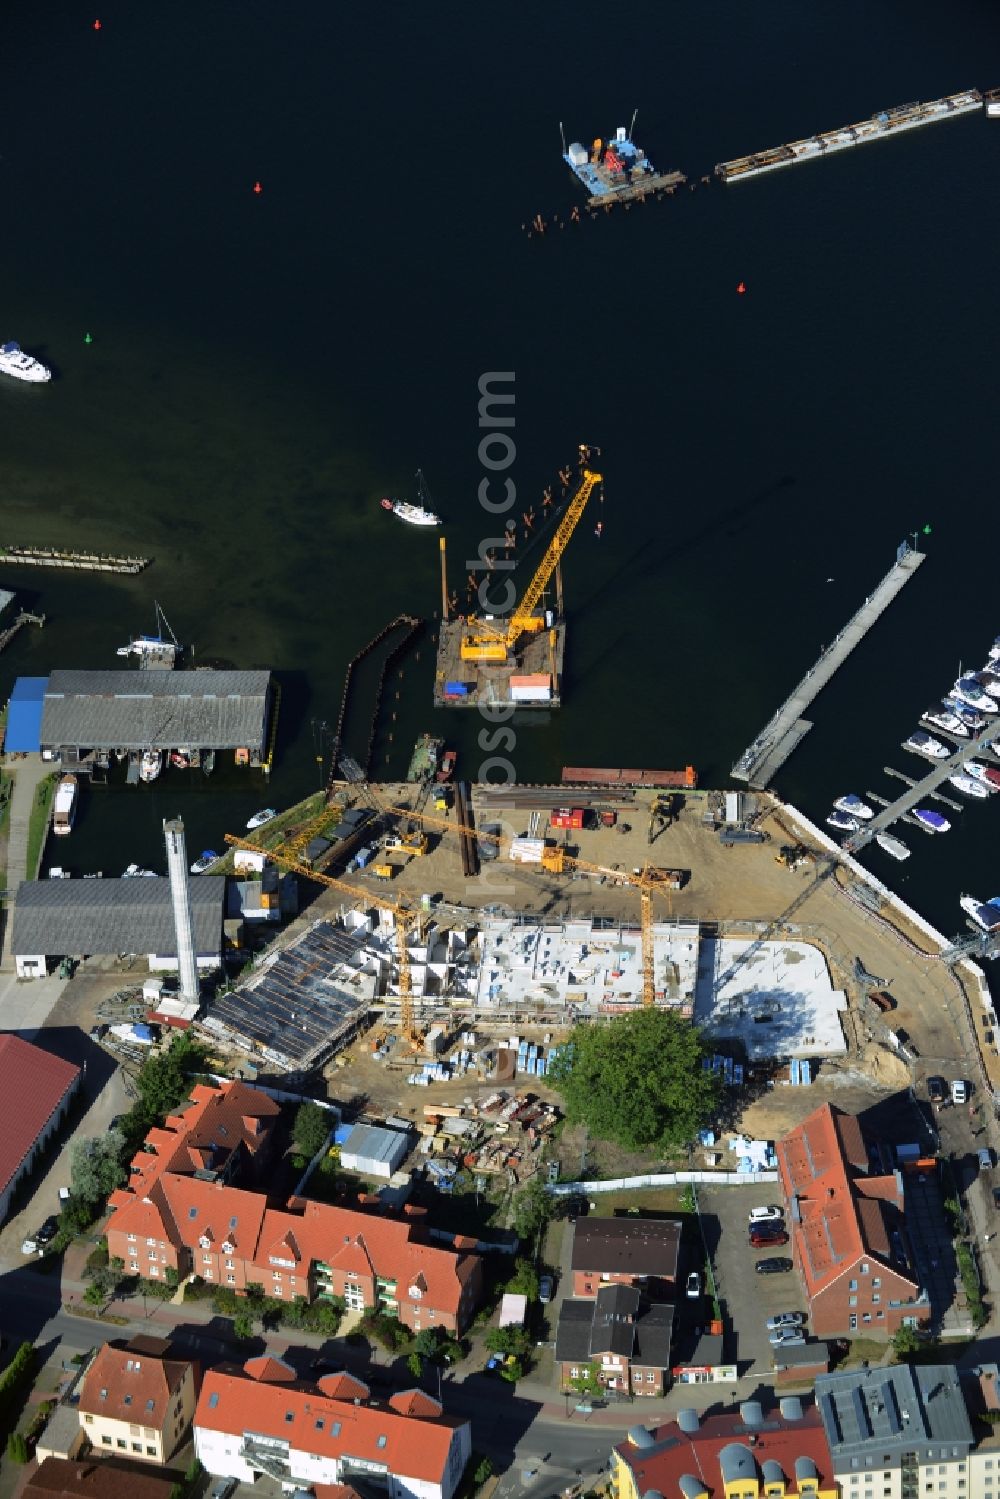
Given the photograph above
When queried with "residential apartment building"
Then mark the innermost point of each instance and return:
(262, 1420)
(625, 1251)
(904, 1432)
(135, 1399)
(183, 1211)
(623, 1338)
(747, 1453)
(848, 1231)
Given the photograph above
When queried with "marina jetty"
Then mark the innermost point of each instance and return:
(886, 123)
(776, 741)
(86, 562)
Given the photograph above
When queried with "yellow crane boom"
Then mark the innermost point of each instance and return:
(489, 641)
(404, 917)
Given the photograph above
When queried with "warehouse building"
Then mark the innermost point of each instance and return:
(89, 715)
(372, 1151)
(36, 1089)
(109, 918)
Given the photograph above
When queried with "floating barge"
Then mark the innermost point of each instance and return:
(886, 123)
(617, 171)
(594, 775)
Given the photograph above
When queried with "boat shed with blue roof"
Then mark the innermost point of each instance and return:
(24, 716)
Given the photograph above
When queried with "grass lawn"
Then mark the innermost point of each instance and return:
(864, 1348)
(6, 790)
(646, 1199)
(38, 823)
(272, 833)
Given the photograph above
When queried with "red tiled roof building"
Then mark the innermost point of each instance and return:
(36, 1089)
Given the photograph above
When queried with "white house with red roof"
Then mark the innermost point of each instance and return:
(36, 1089)
(261, 1419)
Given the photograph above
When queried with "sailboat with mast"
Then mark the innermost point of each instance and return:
(161, 649)
(414, 515)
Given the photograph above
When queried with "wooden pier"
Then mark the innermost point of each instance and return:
(764, 757)
(638, 191)
(85, 562)
(24, 618)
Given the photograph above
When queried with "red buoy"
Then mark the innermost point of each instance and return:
(741, 288)
(97, 25)
(257, 188)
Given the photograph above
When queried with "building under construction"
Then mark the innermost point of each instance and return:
(514, 657)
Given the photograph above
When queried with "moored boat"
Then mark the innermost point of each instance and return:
(64, 806)
(447, 766)
(150, 765)
(14, 361)
(204, 861)
(969, 786)
(939, 717)
(854, 806)
(893, 846)
(259, 818)
(970, 690)
(962, 710)
(922, 743)
(978, 771)
(842, 822)
(136, 872)
(984, 913)
(931, 821)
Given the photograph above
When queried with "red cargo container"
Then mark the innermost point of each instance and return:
(567, 817)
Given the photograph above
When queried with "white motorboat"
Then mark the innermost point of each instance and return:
(970, 691)
(854, 807)
(892, 846)
(64, 806)
(204, 861)
(58, 873)
(14, 361)
(150, 765)
(842, 822)
(930, 821)
(984, 913)
(136, 872)
(969, 786)
(969, 716)
(259, 818)
(922, 743)
(978, 771)
(939, 718)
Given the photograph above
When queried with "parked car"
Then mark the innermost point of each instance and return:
(48, 1231)
(770, 1214)
(546, 1289)
(777, 1266)
(785, 1319)
(936, 1090)
(692, 1287)
(959, 1090)
(764, 1241)
(790, 1337)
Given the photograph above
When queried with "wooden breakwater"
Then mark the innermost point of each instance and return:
(376, 640)
(88, 562)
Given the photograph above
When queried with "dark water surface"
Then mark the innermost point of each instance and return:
(264, 367)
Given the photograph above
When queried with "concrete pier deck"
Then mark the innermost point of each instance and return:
(773, 745)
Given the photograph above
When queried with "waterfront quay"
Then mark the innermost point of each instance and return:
(763, 758)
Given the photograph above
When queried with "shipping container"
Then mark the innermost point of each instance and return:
(456, 689)
(527, 850)
(567, 817)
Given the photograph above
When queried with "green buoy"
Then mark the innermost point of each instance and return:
(87, 338)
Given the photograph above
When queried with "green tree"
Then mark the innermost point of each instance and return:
(17, 1447)
(524, 1281)
(532, 1209)
(638, 1080)
(243, 1326)
(164, 1080)
(905, 1341)
(96, 1167)
(415, 1364)
(483, 1471)
(511, 1372)
(516, 1340)
(586, 1382)
(312, 1129)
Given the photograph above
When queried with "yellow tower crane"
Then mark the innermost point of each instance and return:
(405, 918)
(487, 641)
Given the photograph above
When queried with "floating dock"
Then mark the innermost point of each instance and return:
(471, 684)
(882, 125)
(773, 745)
(617, 171)
(88, 562)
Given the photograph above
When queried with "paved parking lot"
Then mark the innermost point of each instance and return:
(746, 1298)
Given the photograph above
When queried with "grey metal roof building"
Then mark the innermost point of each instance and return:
(133, 710)
(374, 1152)
(902, 1408)
(101, 918)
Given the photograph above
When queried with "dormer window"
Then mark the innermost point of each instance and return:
(415, 1293)
(205, 1241)
(228, 1247)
